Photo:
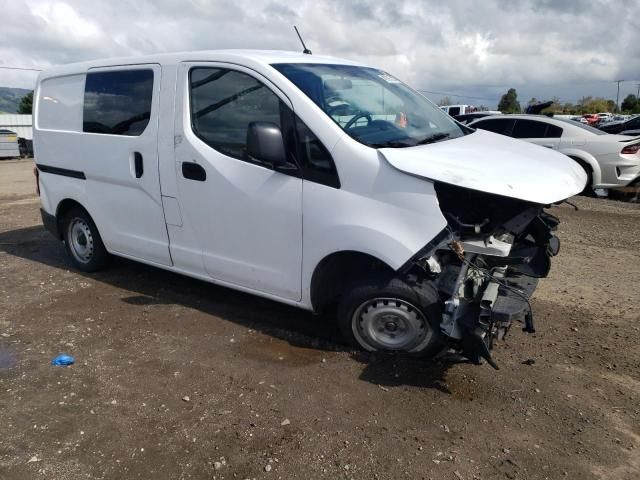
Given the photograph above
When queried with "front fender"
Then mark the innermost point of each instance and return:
(391, 229)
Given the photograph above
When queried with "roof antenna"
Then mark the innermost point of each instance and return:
(306, 50)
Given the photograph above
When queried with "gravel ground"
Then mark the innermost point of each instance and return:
(176, 378)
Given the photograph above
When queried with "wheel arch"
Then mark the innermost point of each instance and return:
(588, 160)
(336, 271)
(61, 210)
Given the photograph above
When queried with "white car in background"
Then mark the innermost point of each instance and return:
(610, 160)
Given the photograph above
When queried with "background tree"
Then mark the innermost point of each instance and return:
(596, 105)
(509, 102)
(570, 109)
(555, 107)
(445, 101)
(26, 104)
(629, 103)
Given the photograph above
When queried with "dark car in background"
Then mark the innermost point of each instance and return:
(625, 128)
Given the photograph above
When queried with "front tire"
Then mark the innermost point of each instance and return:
(83, 242)
(389, 314)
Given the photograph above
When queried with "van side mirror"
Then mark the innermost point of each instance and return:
(265, 144)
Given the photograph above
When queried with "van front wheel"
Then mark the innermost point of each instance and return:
(82, 241)
(389, 314)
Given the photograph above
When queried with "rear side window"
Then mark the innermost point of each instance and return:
(529, 129)
(502, 126)
(118, 102)
(533, 129)
(553, 131)
(59, 106)
(224, 103)
(454, 111)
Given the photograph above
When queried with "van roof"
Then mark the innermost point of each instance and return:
(246, 57)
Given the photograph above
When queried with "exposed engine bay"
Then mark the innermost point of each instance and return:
(486, 265)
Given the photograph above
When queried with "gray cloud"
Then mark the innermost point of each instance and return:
(567, 48)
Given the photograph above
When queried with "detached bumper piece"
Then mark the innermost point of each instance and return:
(505, 298)
(511, 306)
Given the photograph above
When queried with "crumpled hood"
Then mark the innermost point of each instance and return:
(493, 163)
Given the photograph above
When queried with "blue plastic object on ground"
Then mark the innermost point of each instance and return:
(63, 360)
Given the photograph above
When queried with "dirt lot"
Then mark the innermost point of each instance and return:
(176, 378)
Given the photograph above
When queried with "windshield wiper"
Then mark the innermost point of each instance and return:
(391, 144)
(400, 144)
(433, 138)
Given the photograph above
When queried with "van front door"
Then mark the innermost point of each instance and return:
(120, 125)
(244, 216)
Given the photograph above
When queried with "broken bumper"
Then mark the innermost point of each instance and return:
(486, 272)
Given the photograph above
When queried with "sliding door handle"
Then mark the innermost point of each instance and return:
(193, 171)
(137, 164)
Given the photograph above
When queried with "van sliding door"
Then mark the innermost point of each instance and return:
(120, 142)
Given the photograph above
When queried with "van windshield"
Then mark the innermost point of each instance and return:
(371, 106)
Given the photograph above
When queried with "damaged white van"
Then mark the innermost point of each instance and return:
(309, 180)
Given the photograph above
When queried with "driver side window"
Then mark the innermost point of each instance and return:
(223, 104)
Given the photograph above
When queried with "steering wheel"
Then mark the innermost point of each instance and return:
(358, 116)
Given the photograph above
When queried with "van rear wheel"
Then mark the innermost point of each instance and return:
(389, 314)
(83, 242)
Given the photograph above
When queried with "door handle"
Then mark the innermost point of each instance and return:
(193, 171)
(548, 146)
(138, 164)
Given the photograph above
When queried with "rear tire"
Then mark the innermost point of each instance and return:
(388, 314)
(83, 242)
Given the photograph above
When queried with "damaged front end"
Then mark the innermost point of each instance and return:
(485, 265)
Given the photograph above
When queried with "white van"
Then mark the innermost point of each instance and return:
(308, 180)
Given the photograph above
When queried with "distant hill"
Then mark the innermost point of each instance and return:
(10, 99)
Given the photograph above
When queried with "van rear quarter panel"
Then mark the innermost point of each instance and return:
(57, 126)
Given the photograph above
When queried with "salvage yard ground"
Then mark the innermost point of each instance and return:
(176, 378)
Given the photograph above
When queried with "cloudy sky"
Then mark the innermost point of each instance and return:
(477, 49)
